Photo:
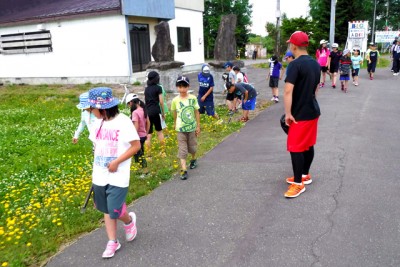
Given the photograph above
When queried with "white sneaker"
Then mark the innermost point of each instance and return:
(273, 98)
(276, 99)
(130, 229)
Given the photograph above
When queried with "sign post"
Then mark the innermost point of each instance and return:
(358, 36)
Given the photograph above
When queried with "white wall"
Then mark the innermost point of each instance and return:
(194, 20)
(90, 47)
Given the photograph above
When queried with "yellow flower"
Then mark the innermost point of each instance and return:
(29, 244)
(6, 205)
(4, 264)
(59, 223)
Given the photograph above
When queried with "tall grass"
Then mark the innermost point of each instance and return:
(44, 177)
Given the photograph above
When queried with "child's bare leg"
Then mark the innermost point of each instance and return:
(111, 227)
(183, 164)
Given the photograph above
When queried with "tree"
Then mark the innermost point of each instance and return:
(213, 10)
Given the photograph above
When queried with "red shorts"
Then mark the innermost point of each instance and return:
(302, 135)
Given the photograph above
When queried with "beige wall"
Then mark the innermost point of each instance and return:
(197, 5)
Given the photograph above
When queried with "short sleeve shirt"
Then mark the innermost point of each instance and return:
(111, 139)
(152, 100)
(205, 83)
(304, 73)
(274, 69)
(138, 115)
(241, 88)
(186, 116)
(232, 75)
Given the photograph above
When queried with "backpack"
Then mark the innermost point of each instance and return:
(245, 79)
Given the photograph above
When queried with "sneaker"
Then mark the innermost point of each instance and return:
(273, 98)
(130, 229)
(345, 90)
(371, 78)
(321, 85)
(305, 179)
(295, 190)
(276, 99)
(111, 248)
(184, 175)
(230, 113)
(356, 84)
(333, 86)
(193, 164)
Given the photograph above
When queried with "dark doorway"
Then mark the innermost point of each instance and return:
(140, 46)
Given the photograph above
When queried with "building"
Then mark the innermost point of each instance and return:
(97, 41)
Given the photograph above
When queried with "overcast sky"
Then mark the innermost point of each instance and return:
(265, 10)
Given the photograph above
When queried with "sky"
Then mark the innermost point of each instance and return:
(264, 11)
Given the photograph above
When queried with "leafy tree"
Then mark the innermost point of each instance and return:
(213, 10)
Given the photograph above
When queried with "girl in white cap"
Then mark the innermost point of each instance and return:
(322, 56)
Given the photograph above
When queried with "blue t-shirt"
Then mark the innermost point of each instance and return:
(356, 61)
(205, 82)
(275, 69)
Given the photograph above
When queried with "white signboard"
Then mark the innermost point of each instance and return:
(385, 36)
(357, 37)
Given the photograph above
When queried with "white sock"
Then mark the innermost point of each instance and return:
(298, 184)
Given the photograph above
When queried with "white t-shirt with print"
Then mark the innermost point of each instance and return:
(111, 139)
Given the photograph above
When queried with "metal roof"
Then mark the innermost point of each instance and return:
(19, 11)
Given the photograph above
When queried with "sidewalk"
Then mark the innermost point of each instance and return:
(231, 211)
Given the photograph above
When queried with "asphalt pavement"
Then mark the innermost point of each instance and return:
(232, 212)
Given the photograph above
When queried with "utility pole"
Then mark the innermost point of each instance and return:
(373, 24)
(332, 24)
(278, 30)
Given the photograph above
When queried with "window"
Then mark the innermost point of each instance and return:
(27, 42)
(184, 44)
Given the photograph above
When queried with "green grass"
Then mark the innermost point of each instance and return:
(44, 177)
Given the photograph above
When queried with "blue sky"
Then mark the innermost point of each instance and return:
(264, 11)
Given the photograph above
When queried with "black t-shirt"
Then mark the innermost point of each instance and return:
(304, 73)
(151, 98)
(335, 56)
(241, 88)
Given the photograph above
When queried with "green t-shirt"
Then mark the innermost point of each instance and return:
(185, 109)
(164, 96)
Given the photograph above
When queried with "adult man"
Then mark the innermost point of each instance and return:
(301, 112)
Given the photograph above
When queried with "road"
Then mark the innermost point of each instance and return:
(231, 211)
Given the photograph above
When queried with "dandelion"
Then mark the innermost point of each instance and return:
(4, 264)
(29, 244)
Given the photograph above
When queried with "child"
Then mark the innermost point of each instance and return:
(289, 57)
(333, 63)
(344, 69)
(142, 124)
(153, 96)
(87, 117)
(187, 123)
(116, 141)
(356, 60)
(206, 96)
(372, 56)
(274, 75)
(230, 99)
(322, 56)
(248, 93)
(241, 77)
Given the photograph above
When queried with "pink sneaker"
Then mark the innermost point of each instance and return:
(130, 229)
(111, 248)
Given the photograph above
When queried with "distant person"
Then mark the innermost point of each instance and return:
(301, 112)
(142, 124)
(248, 95)
(153, 96)
(231, 100)
(206, 95)
(396, 59)
(356, 60)
(322, 56)
(88, 119)
(394, 43)
(372, 56)
(254, 54)
(274, 74)
(187, 123)
(345, 69)
(334, 57)
(116, 141)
